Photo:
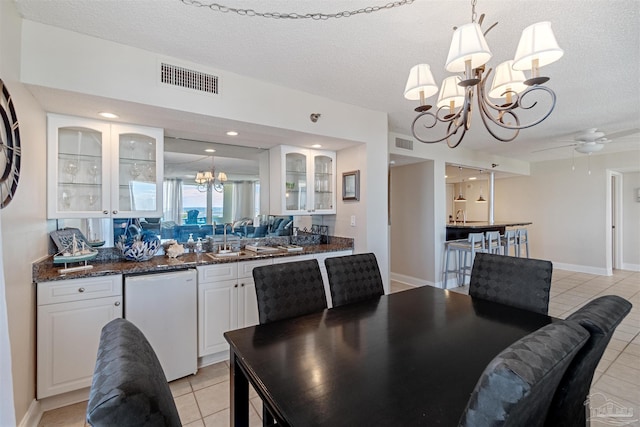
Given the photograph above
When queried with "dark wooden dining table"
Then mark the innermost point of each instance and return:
(404, 359)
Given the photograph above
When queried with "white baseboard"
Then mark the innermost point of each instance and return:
(630, 267)
(582, 269)
(210, 359)
(413, 281)
(33, 415)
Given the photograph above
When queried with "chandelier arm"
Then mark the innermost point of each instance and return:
(486, 104)
(453, 122)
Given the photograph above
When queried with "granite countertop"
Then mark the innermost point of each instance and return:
(46, 271)
(485, 224)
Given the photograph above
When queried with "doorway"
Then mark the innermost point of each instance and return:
(615, 222)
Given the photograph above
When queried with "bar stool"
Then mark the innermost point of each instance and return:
(522, 239)
(509, 241)
(463, 248)
(494, 242)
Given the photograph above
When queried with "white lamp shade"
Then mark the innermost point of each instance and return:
(506, 78)
(420, 79)
(537, 42)
(451, 91)
(468, 43)
(222, 177)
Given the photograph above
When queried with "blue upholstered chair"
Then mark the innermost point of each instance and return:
(192, 216)
(516, 387)
(129, 387)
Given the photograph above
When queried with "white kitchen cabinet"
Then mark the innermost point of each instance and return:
(103, 170)
(226, 301)
(70, 317)
(302, 181)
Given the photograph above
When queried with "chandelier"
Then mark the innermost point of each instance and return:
(468, 55)
(208, 179)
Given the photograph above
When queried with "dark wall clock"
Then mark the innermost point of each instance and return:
(9, 148)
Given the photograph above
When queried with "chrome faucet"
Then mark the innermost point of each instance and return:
(464, 215)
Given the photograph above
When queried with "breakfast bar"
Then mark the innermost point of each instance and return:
(461, 229)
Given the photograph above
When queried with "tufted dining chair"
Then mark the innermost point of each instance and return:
(518, 282)
(516, 387)
(129, 387)
(600, 317)
(287, 290)
(353, 278)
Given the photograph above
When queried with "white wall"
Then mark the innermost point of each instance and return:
(631, 221)
(61, 59)
(24, 226)
(568, 209)
(413, 216)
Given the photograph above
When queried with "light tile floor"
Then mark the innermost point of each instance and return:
(203, 399)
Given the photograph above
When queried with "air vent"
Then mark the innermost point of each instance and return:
(190, 79)
(407, 144)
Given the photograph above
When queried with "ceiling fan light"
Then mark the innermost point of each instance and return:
(468, 44)
(589, 147)
(507, 79)
(537, 43)
(420, 80)
(450, 91)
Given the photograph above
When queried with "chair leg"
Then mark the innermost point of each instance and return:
(446, 267)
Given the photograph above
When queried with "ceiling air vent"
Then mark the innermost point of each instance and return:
(190, 79)
(407, 144)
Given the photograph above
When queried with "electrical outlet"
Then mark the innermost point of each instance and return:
(353, 220)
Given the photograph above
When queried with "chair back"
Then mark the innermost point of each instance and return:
(600, 317)
(477, 241)
(494, 242)
(516, 387)
(289, 290)
(353, 278)
(129, 387)
(518, 282)
(192, 216)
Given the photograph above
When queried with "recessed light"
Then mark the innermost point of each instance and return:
(232, 133)
(446, 176)
(471, 178)
(108, 115)
(316, 146)
(210, 150)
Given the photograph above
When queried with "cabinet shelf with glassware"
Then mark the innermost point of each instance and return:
(302, 181)
(98, 169)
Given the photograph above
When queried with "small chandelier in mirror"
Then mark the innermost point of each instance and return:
(206, 179)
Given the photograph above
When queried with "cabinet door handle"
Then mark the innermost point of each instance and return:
(117, 303)
(81, 290)
(106, 212)
(242, 284)
(114, 212)
(235, 286)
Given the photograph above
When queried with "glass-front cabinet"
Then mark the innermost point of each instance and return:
(302, 181)
(97, 169)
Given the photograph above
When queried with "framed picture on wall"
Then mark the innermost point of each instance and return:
(351, 185)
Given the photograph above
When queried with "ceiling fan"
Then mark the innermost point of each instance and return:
(592, 140)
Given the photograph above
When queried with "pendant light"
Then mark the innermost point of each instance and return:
(460, 197)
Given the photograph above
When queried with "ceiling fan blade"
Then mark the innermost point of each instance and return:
(623, 133)
(555, 148)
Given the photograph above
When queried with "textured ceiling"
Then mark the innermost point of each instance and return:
(365, 59)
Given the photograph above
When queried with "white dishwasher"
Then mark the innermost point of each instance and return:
(164, 307)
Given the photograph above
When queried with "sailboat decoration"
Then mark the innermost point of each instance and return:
(72, 247)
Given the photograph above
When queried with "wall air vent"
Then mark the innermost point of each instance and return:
(190, 79)
(407, 144)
